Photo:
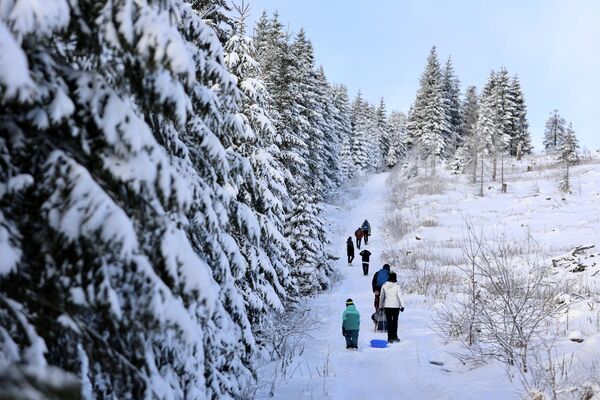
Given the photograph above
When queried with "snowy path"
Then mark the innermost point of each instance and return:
(402, 371)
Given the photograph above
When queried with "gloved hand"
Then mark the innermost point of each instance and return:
(343, 332)
(401, 309)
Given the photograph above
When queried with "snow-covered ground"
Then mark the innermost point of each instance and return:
(434, 221)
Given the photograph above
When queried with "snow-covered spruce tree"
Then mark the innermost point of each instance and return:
(344, 130)
(567, 154)
(334, 131)
(453, 108)
(554, 133)
(288, 75)
(115, 137)
(520, 142)
(383, 132)
(467, 153)
(429, 122)
(501, 109)
(266, 282)
(365, 147)
(486, 129)
(397, 129)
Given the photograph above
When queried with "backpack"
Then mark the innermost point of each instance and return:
(382, 277)
(365, 226)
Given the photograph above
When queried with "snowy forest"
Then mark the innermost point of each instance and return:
(165, 171)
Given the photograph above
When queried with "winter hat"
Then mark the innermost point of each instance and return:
(386, 266)
(349, 302)
(392, 277)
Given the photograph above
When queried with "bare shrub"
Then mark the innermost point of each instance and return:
(397, 227)
(554, 377)
(430, 281)
(508, 300)
(282, 335)
(429, 222)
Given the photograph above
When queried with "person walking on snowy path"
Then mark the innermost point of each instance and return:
(365, 254)
(350, 249)
(379, 278)
(391, 302)
(359, 235)
(366, 228)
(351, 325)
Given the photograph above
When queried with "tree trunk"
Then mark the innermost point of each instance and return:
(481, 178)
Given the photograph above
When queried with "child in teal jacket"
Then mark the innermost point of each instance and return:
(351, 325)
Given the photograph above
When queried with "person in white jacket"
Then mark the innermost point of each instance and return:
(391, 302)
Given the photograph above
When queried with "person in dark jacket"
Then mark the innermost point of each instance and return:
(365, 254)
(351, 325)
(359, 235)
(379, 278)
(366, 228)
(350, 249)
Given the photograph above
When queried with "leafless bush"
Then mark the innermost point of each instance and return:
(397, 227)
(507, 301)
(429, 222)
(430, 281)
(554, 377)
(282, 336)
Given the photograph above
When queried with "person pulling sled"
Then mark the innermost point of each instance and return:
(391, 302)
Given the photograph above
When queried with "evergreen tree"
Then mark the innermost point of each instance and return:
(344, 130)
(397, 130)
(555, 132)
(520, 138)
(266, 282)
(453, 108)
(467, 152)
(429, 122)
(383, 130)
(567, 153)
(364, 148)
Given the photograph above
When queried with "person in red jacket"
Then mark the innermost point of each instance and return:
(359, 235)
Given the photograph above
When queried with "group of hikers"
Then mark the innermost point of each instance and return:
(386, 290)
(363, 231)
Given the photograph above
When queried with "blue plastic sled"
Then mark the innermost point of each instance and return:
(379, 343)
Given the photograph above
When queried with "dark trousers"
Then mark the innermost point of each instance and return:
(376, 302)
(350, 258)
(365, 267)
(351, 339)
(358, 242)
(391, 314)
(366, 236)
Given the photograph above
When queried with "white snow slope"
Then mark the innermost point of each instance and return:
(326, 370)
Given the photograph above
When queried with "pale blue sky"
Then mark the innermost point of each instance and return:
(380, 47)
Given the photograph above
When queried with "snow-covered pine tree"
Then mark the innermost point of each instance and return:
(567, 153)
(554, 133)
(287, 72)
(487, 128)
(429, 122)
(365, 148)
(333, 132)
(520, 142)
(383, 132)
(467, 153)
(397, 128)
(342, 105)
(453, 108)
(266, 282)
(122, 188)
